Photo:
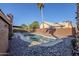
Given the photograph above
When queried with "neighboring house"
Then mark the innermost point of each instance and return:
(63, 29)
(5, 31)
(66, 24)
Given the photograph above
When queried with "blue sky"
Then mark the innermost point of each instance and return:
(27, 13)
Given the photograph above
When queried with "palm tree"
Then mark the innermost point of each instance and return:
(41, 6)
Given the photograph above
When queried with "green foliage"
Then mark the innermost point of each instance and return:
(25, 27)
(40, 5)
(31, 27)
(73, 42)
(34, 25)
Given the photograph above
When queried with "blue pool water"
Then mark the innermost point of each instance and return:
(33, 37)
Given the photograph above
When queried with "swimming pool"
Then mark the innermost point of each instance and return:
(29, 37)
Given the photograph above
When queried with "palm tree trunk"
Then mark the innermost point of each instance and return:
(42, 17)
(41, 6)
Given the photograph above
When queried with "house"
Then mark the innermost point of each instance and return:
(5, 31)
(65, 24)
(62, 29)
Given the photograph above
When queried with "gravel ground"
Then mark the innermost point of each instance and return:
(19, 47)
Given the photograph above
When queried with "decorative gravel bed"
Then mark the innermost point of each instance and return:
(19, 47)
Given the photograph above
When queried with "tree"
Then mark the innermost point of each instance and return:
(41, 6)
(34, 25)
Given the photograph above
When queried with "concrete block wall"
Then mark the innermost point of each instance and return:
(3, 37)
(61, 32)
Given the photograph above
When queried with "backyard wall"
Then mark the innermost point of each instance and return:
(61, 32)
(5, 30)
(3, 36)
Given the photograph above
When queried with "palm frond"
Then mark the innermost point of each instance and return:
(40, 5)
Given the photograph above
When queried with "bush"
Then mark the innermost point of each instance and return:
(73, 43)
